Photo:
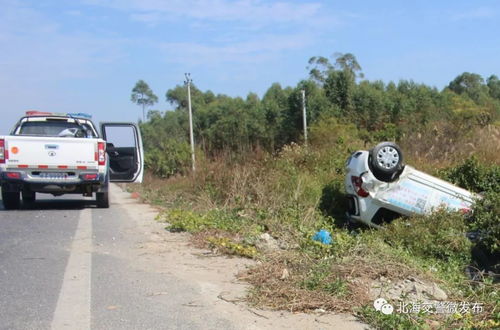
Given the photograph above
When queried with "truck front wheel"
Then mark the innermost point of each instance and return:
(11, 199)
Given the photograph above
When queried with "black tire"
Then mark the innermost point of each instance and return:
(386, 160)
(11, 199)
(28, 196)
(102, 200)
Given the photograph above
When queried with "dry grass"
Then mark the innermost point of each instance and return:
(445, 145)
(275, 291)
(358, 268)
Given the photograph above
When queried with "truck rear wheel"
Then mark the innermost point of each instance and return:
(102, 200)
(28, 196)
(11, 199)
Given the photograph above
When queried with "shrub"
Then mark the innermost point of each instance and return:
(440, 235)
(486, 220)
(474, 176)
(390, 132)
(169, 158)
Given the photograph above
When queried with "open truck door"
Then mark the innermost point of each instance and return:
(124, 150)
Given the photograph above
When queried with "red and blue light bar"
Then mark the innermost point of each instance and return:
(32, 113)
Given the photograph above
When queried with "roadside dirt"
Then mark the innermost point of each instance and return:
(214, 277)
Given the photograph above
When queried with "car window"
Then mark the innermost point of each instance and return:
(55, 128)
(121, 136)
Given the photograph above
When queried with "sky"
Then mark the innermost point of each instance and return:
(87, 55)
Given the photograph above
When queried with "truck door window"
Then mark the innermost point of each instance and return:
(121, 136)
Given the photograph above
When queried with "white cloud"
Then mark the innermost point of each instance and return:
(243, 11)
(74, 13)
(19, 20)
(478, 13)
(37, 49)
(241, 31)
(252, 51)
(149, 18)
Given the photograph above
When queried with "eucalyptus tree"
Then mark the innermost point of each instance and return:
(493, 84)
(143, 95)
(470, 84)
(320, 67)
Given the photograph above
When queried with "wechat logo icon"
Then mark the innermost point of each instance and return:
(382, 306)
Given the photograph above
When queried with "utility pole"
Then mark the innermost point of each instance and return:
(304, 116)
(191, 137)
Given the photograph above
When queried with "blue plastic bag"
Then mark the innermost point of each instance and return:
(323, 236)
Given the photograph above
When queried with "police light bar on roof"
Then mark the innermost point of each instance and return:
(31, 113)
(80, 115)
(38, 113)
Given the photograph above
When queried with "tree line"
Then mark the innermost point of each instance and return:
(335, 88)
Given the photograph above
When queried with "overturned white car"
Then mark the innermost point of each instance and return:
(380, 187)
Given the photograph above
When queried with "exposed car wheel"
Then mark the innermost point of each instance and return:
(102, 199)
(11, 199)
(386, 161)
(28, 196)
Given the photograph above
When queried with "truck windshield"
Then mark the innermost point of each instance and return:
(55, 128)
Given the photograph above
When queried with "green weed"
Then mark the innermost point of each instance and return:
(227, 246)
(396, 321)
(320, 278)
(194, 222)
(440, 236)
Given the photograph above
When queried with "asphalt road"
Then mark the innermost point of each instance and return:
(65, 264)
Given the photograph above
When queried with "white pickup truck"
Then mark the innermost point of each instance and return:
(60, 154)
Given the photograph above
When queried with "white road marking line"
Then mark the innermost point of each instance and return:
(73, 306)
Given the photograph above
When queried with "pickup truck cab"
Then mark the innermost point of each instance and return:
(65, 153)
(381, 187)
